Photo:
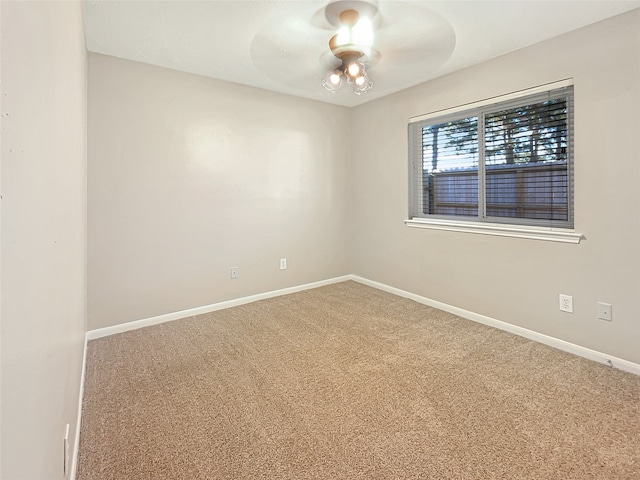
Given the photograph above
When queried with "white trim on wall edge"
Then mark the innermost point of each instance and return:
(532, 233)
(584, 352)
(567, 82)
(76, 440)
(146, 322)
(594, 355)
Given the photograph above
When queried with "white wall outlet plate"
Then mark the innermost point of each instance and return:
(566, 303)
(604, 311)
(65, 450)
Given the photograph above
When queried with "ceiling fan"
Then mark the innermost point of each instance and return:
(352, 45)
(301, 42)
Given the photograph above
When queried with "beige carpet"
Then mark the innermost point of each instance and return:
(348, 382)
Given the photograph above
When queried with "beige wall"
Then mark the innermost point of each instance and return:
(43, 232)
(189, 176)
(518, 280)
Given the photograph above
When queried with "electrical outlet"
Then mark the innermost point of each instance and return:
(235, 272)
(604, 311)
(283, 264)
(566, 303)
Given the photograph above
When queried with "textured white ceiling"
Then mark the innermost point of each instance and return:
(282, 45)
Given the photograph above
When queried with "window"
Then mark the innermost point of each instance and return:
(501, 161)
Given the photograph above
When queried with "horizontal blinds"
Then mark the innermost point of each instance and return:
(526, 161)
(450, 167)
(509, 161)
(462, 110)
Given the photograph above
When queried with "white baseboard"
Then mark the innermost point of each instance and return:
(146, 322)
(594, 355)
(523, 332)
(76, 440)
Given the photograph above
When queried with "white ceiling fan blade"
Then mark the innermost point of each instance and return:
(289, 65)
(288, 49)
(426, 48)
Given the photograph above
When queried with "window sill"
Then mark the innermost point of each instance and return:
(531, 233)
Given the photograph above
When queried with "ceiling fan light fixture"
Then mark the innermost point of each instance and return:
(356, 36)
(352, 46)
(354, 70)
(362, 33)
(333, 80)
(362, 84)
(343, 37)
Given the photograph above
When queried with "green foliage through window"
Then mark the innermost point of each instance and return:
(505, 162)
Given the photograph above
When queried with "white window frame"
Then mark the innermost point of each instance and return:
(533, 232)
